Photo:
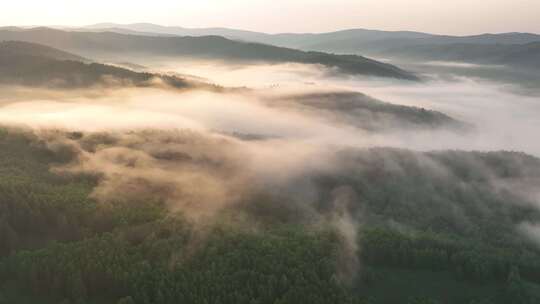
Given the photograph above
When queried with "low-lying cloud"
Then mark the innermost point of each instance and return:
(203, 152)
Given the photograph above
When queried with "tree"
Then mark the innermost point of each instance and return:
(126, 300)
(516, 292)
(78, 288)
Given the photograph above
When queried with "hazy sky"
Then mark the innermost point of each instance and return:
(438, 16)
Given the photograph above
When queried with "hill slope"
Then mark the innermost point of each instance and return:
(31, 64)
(20, 48)
(368, 113)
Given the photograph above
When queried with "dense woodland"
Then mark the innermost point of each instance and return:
(428, 235)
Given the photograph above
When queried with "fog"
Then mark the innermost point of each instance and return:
(502, 120)
(205, 152)
(505, 119)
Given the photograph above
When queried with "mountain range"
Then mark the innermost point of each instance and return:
(500, 48)
(34, 65)
(338, 41)
(103, 44)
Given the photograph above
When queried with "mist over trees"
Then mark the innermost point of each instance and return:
(421, 214)
(129, 183)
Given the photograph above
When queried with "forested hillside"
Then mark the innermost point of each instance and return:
(368, 113)
(20, 48)
(439, 227)
(31, 64)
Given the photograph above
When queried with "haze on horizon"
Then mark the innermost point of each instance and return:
(459, 17)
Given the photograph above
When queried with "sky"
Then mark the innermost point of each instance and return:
(458, 17)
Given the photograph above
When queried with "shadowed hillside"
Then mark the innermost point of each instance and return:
(20, 48)
(32, 64)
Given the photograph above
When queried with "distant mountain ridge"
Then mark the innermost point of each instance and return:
(524, 56)
(205, 47)
(329, 41)
(498, 49)
(180, 31)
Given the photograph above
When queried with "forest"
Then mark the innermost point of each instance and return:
(418, 228)
(269, 152)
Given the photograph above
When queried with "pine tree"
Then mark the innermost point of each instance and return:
(126, 300)
(515, 290)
